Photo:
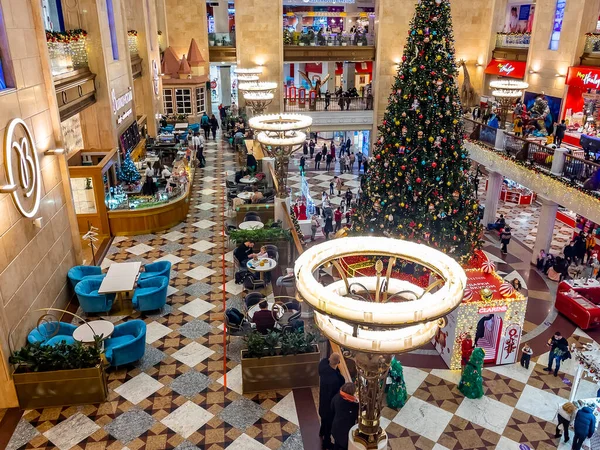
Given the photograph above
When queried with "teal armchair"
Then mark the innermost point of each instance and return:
(89, 299)
(151, 294)
(127, 344)
(46, 333)
(157, 269)
(78, 273)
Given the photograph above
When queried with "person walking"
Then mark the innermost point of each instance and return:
(566, 414)
(318, 161)
(339, 184)
(330, 382)
(328, 159)
(214, 125)
(351, 158)
(327, 99)
(585, 425)
(570, 252)
(199, 146)
(349, 197)
(331, 184)
(359, 159)
(314, 226)
(590, 244)
(559, 133)
(559, 346)
(305, 148)
(205, 125)
(332, 151)
(324, 150)
(365, 165)
(505, 239)
(337, 216)
(341, 101)
(344, 407)
(328, 228)
(302, 163)
(311, 148)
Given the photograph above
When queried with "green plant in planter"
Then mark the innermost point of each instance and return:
(266, 234)
(39, 357)
(287, 37)
(295, 342)
(276, 343)
(271, 343)
(255, 345)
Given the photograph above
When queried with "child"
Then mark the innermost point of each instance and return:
(263, 253)
(526, 356)
(331, 186)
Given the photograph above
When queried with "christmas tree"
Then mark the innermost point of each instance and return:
(128, 173)
(471, 382)
(417, 185)
(396, 395)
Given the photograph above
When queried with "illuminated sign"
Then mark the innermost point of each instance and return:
(20, 156)
(121, 102)
(492, 309)
(506, 68)
(583, 77)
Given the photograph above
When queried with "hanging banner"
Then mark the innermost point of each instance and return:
(506, 68)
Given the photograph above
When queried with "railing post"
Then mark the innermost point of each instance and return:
(558, 161)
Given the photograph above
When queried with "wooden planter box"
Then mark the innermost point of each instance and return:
(61, 388)
(280, 372)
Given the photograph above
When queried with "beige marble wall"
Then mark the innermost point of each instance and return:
(259, 38)
(580, 17)
(186, 20)
(33, 261)
(142, 19)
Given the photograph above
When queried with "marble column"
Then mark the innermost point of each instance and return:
(186, 20)
(349, 75)
(492, 196)
(259, 37)
(225, 76)
(329, 68)
(545, 228)
(221, 17)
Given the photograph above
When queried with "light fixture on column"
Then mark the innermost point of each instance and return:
(377, 315)
(258, 95)
(250, 74)
(280, 135)
(507, 92)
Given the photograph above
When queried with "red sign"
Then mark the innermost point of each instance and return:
(584, 77)
(492, 309)
(506, 68)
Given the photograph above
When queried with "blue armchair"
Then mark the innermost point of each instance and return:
(89, 299)
(151, 294)
(127, 343)
(157, 269)
(78, 273)
(43, 333)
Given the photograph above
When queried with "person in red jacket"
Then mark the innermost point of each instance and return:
(337, 216)
(466, 349)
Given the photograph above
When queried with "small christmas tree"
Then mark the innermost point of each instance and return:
(396, 395)
(128, 173)
(471, 382)
(417, 186)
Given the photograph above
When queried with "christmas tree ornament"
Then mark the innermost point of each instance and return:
(488, 267)
(506, 289)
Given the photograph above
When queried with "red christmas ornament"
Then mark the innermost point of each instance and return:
(403, 167)
(418, 180)
(434, 165)
(414, 159)
(378, 157)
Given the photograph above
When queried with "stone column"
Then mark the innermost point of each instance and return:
(225, 76)
(329, 68)
(221, 17)
(349, 75)
(545, 228)
(349, 21)
(259, 37)
(492, 196)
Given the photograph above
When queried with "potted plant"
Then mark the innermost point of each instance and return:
(280, 361)
(362, 39)
(320, 38)
(311, 37)
(287, 37)
(59, 375)
(304, 39)
(344, 40)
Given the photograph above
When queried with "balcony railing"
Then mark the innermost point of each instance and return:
(328, 39)
(321, 104)
(513, 40)
(67, 51)
(592, 43)
(221, 39)
(575, 169)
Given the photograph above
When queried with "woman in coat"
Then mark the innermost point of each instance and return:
(345, 414)
(214, 124)
(566, 414)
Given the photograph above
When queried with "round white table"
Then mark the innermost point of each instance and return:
(248, 180)
(254, 266)
(245, 195)
(251, 225)
(85, 333)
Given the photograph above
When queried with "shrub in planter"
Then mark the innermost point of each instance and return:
(45, 358)
(265, 234)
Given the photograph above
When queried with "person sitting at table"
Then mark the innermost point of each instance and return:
(244, 252)
(251, 163)
(257, 196)
(263, 318)
(263, 253)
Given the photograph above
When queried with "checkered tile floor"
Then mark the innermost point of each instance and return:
(176, 398)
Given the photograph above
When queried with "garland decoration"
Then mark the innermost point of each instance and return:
(65, 37)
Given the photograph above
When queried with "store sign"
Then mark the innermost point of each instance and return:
(492, 309)
(22, 169)
(583, 77)
(120, 103)
(506, 68)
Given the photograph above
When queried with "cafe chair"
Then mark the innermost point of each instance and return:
(252, 283)
(78, 273)
(151, 294)
(89, 299)
(272, 251)
(51, 333)
(127, 344)
(252, 216)
(252, 299)
(157, 269)
(236, 324)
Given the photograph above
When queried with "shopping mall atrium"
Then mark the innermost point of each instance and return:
(300, 224)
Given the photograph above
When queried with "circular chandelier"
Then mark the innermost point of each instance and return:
(507, 92)
(375, 316)
(250, 74)
(260, 90)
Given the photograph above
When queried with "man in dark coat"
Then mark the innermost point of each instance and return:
(559, 346)
(585, 424)
(330, 382)
(345, 414)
